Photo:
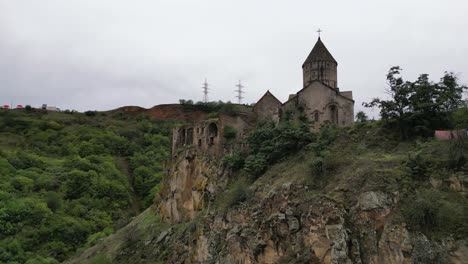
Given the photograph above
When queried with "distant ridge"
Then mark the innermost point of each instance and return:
(166, 112)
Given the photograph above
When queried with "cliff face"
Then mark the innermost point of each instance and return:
(286, 222)
(206, 214)
(193, 181)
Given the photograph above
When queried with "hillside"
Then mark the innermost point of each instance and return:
(69, 179)
(353, 195)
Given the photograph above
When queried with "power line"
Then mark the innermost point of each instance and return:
(205, 91)
(239, 92)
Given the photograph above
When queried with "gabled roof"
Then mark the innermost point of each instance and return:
(265, 95)
(300, 91)
(320, 53)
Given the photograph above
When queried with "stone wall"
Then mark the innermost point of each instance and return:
(267, 108)
(321, 105)
(325, 71)
(204, 136)
(207, 136)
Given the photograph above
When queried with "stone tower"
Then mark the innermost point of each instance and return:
(320, 65)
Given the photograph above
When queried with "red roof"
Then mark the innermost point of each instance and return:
(19, 106)
(6, 106)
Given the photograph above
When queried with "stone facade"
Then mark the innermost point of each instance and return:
(322, 104)
(207, 136)
(267, 108)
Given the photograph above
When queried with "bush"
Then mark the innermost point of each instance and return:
(234, 161)
(236, 193)
(54, 201)
(90, 113)
(459, 118)
(317, 166)
(417, 167)
(256, 165)
(101, 259)
(437, 213)
(230, 133)
(456, 153)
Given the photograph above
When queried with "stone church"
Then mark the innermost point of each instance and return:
(320, 99)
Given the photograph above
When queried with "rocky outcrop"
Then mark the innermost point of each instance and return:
(289, 225)
(280, 221)
(193, 181)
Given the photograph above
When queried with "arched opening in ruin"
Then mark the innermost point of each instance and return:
(190, 136)
(212, 133)
(333, 110)
(181, 139)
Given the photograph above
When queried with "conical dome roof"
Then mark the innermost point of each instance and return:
(320, 53)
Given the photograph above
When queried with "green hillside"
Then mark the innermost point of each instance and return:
(322, 173)
(69, 179)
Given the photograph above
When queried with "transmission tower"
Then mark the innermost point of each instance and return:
(205, 91)
(239, 92)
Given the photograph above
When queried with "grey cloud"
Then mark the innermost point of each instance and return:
(105, 54)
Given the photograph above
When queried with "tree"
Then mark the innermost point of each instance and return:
(399, 104)
(421, 106)
(361, 117)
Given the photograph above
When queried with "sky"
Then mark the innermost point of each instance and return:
(104, 54)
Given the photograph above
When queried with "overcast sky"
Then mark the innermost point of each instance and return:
(103, 54)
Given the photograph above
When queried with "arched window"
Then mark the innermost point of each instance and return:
(212, 133)
(316, 116)
(333, 114)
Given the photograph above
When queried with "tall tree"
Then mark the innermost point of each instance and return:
(421, 106)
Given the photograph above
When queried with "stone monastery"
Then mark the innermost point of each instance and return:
(320, 101)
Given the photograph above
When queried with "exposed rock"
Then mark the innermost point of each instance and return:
(293, 224)
(456, 184)
(373, 200)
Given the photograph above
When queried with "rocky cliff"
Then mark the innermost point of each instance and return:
(207, 214)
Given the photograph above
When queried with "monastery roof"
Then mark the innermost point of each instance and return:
(320, 53)
(300, 91)
(268, 94)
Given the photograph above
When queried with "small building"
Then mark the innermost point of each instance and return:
(450, 134)
(52, 108)
(6, 106)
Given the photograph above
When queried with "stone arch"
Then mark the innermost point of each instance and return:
(212, 133)
(316, 116)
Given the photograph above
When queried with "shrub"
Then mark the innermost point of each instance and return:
(417, 167)
(230, 133)
(101, 259)
(256, 165)
(459, 118)
(317, 166)
(54, 201)
(456, 153)
(236, 193)
(90, 113)
(434, 212)
(234, 161)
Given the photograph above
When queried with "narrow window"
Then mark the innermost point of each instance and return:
(316, 116)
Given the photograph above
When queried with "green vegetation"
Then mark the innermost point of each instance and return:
(237, 192)
(67, 180)
(420, 107)
(214, 108)
(267, 145)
